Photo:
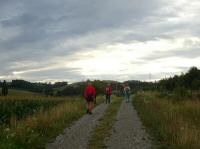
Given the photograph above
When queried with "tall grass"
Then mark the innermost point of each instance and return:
(36, 130)
(175, 125)
(21, 108)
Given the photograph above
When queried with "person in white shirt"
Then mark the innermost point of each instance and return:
(127, 92)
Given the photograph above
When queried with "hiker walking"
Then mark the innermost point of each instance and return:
(127, 92)
(90, 97)
(108, 91)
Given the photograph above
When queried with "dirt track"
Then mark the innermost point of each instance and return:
(76, 137)
(128, 131)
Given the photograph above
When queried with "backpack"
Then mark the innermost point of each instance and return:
(107, 89)
(127, 90)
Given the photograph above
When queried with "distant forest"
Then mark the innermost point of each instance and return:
(188, 81)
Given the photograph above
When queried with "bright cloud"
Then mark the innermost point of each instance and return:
(128, 58)
(107, 39)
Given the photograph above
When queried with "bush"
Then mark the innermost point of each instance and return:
(181, 93)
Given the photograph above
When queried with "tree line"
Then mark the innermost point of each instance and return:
(188, 81)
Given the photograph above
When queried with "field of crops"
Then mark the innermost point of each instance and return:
(29, 120)
(21, 104)
(174, 123)
(22, 108)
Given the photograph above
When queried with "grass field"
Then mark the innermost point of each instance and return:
(22, 108)
(20, 93)
(33, 131)
(21, 104)
(174, 124)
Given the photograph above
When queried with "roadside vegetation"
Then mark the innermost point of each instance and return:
(171, 110)
(32, 114)
(175, 124)
(21, 104)
(103, 130)
(29, 122)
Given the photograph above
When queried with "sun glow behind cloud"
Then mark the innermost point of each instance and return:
(130, 58)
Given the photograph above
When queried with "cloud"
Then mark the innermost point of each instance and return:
(41, 37)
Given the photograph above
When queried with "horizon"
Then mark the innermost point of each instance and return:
(52, 41)
(152, 81)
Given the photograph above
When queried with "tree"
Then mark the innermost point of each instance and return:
(192, 78)
(189, 81)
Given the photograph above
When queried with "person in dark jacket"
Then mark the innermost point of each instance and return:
(108, 91)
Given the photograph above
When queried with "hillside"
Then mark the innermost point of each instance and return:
(18, 92)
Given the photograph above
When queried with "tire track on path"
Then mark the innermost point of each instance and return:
(128, 131)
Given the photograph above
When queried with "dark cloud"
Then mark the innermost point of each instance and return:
(184, 53)
(45, 32)
(44, 22)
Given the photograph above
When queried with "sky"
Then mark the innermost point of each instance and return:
(76, 40)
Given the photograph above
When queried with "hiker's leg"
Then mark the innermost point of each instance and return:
(109, 98)
(128, 96)
(88, 106)
(91, 106)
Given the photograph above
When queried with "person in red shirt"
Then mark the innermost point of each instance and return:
(90, 96)
(108, 91)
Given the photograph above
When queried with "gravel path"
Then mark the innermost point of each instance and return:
(78, 135)
(128, 131)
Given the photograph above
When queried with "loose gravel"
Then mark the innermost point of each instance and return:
(128, 131)
(77, 136)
